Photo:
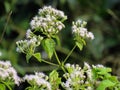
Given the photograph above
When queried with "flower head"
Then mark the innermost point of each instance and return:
(48, 21)
(8, 73)
(29, 45)
(38, 79)
(79, 29)
(48, 10)
(76, 77)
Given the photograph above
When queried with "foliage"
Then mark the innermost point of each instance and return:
(104, 22)
(102, 17)
(76, 78)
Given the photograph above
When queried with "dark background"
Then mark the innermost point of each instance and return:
(103, 17)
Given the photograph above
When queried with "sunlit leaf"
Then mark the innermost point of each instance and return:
(104, 84)
(2, 87)
(79, 45)
(49, 46)
(37, 56)
(54, 80)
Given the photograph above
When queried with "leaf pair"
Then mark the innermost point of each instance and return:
(36, 55)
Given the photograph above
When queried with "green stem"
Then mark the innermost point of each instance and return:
(8, 18)
(69, 54)
(63, 69)
(50, 63)
(57, 58)
(7, 85)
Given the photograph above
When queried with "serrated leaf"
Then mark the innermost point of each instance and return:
(49, 46)
(54, 80)
(105, 84)
(37, 56)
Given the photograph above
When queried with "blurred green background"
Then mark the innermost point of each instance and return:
(103, 17)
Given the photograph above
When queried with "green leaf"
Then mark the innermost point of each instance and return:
(57, 39)
(2, 87)
(101, 73)
(105, 84)
(37, 56)
(54, 80)
(49, 46)
(79, 45)
(28, 56)
(80, 42)
(104, 70)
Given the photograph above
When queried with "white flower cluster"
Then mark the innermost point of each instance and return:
(38, 79)
(29, 34)
(76, 77)
(88, 71)
(8, 73)
(98, 66)
(48, 21)
(29, 45)
(52, 12)
(79, 29)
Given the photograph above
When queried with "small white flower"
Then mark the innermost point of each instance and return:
(67, 84)
(90, 35)
(83, 32)
(32, 41)
(50, 30)
(67, 65)
(79, 22)
(98, 66)
(60, 27)
(28, 33)
(35, 18)
(40, 74)
(89, 88)
(87, 66)
(37, 24)
(44, 24)
(32, 23)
